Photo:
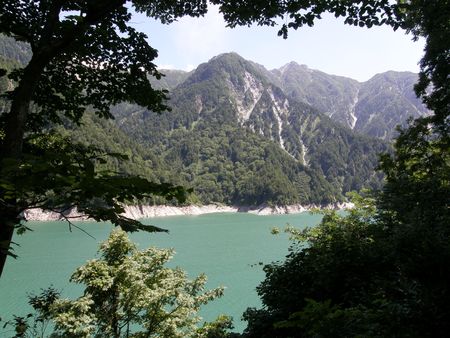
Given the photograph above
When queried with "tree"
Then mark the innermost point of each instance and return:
(86, 54)
(380, 271)
(130, 293)
(126, 287)
(330, 282)
(358, 275)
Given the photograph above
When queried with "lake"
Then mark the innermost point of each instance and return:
(227, 247)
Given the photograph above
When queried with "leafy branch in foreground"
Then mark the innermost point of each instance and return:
(84, 55)
(381, 270)
(128, 293)
(56, 174)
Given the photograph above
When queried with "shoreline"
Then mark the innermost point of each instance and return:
(151, 211)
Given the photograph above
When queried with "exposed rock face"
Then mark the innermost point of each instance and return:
(248, 96)
(385, 101)
(131, 211)
(336, 96)
(231, 124)
(295, 209)
(374, 107)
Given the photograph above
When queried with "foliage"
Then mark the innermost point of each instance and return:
(86, 55)
(83, 55)
(218, 329)
(108, 138)
(385, 273)
(219, 169)
(382, 275)
(130, 293)
(350, 277)
(418, 178)
(74, 178)
(378, 271)
(35, 324)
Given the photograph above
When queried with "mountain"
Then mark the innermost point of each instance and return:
(374, 107)
(235, 137)
(171, 78)
(14, 50)
(385, 101)
(335, 96)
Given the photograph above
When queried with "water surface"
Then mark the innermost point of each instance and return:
(226, 247)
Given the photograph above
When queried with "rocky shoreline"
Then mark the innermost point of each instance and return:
(150, 211)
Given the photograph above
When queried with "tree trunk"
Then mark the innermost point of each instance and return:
(23, 94)
(12, 146)
(20, 106)
(8, 221)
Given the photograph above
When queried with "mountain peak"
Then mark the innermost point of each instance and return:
(227, 56)
(229, 68)
(394, 76)
(290, 66)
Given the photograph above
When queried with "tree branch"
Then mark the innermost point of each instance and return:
(71, 224)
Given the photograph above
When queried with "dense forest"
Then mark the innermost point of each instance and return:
(270, 156)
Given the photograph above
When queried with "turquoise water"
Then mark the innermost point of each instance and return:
(226, 247)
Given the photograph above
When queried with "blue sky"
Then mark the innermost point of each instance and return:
(329, 46)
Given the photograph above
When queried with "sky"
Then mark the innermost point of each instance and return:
(329, 46)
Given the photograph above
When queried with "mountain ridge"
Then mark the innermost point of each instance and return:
(271, 148)
(389, 96)
(348, 101)
(236, 137)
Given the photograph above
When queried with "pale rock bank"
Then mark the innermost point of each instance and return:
(150, 211)
(294, 209)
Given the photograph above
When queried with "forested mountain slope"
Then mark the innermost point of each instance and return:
(374, 107)
(14, 50)
(171, 79)
(235, 137)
